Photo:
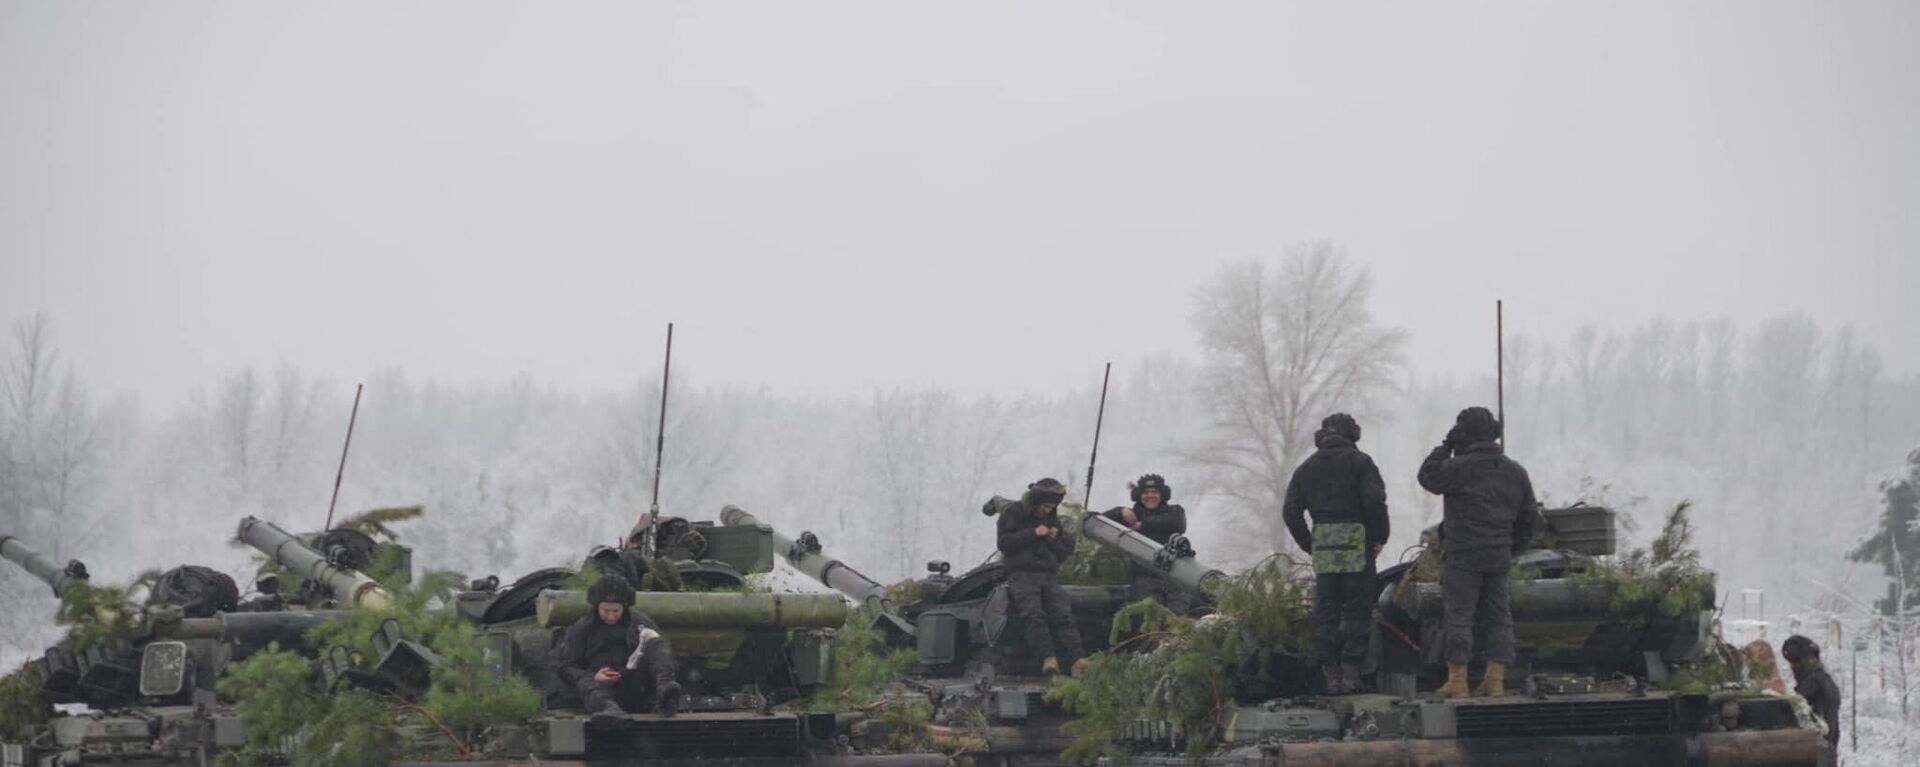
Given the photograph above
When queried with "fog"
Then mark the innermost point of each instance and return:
(1779, 434)
(900, 240)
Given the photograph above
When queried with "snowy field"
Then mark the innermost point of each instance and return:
(1882, 740)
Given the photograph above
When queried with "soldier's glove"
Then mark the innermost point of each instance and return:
(639, 656)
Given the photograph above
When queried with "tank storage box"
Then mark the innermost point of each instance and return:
(1588, 530)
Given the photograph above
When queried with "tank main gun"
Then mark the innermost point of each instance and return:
(60, 578)
(1176, 562)
(806, 556)
(349, 586)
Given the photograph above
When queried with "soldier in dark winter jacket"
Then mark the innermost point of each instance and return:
(1811, 681)
(1488, 515)
(1033, 545)
(1341, 488)
(615, 657)
(1155, 518)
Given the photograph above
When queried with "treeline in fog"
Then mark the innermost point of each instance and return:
(1779, 432)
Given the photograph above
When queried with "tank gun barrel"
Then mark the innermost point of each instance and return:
(42, 567)
(806, 556)
(1175, 562)
(249, 628)
(349, 586)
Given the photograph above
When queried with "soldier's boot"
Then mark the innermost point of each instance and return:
(1456, 686)
(1050, 666)
(667, 695)
(1350, 674)
(1494, 684)
(604, 711)
(1336, 680)
(1080, 667)
(666, 702)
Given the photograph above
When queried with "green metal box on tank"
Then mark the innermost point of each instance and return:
(748, 549)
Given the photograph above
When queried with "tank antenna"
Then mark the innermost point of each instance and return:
(1097, 421)
(1500, 366)
(352, 416)
(659, 450)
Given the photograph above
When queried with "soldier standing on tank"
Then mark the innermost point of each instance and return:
(1341, 488)
(1811, 681)
(1489, 515)
(1152, 516)
(1033, 546)
(614, 656)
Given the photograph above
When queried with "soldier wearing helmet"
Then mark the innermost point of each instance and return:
(1341, 488)
(616, 658)
(1811, 681)
(1155, 517)
(1034, 546)
(1488, 514)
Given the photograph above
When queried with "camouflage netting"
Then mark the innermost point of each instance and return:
(272, 689)
(1091, 564)
(21, 706)
(96, 615)
(864, 670)
(867, 680)
(1171, 668)
(1664, 577)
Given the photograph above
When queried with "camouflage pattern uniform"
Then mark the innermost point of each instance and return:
(1033, 572)
(1341, 488)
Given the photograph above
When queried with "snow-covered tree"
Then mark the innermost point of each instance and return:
(1285, 345)
(1895, 542)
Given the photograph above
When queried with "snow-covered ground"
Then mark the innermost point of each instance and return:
(1872, 678)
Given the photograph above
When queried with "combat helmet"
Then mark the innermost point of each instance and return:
(1150, 481)
(1341, 424)
(1045, 490)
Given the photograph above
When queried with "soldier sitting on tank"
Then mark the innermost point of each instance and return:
(1811, 681)
(1033, 545)
(1488, 515)
(616, 658)
(1341, 488)
(1155, 518)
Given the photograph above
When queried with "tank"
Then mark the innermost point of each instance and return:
(147, 688)
(1563, 622)
(742, 654)
(1587, 688)
(969, 661)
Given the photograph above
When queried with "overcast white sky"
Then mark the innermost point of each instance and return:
(830, 197)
